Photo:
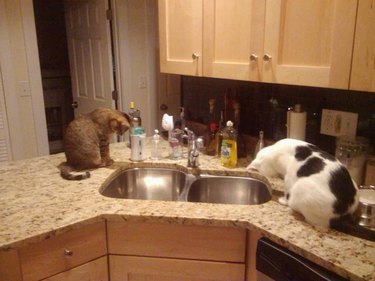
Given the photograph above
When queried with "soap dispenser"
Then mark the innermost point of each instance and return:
(228, 157)
(155, 152)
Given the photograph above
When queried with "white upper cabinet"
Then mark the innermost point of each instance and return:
(180, 33)
(309, 42)
(289, 42)
(233, 37)
(363, 69)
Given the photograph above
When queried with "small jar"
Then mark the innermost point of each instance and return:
(352, 152)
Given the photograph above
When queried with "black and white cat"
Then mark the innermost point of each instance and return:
(317, 185)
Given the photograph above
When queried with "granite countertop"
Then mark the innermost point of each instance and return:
(36, 203)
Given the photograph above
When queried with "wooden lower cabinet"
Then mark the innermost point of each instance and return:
(63, 252)
(130, 268)
(96, 270)
(136, 251)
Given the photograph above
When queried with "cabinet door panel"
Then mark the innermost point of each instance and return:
(310, 42)
(177, 241)
(180, 32)
(96, 270)
(63, 252)
(127, 268)
(363, 69)
(233, 30)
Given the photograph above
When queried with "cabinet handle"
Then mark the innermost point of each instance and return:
(195, 56)
(253, 57)
(68, 253)
(267, 57)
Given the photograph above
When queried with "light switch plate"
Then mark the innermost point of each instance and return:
(338, 123)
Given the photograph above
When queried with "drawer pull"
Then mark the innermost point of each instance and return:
(68, 253)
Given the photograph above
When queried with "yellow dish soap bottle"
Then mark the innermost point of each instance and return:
(228, 156)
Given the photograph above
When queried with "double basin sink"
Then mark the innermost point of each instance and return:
(174, 185)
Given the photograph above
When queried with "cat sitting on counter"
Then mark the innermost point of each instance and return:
(316, 184)
(86, 141)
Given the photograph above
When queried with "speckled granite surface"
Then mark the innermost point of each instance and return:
(35, 203)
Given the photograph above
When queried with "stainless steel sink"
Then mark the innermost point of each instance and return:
(147, 183)
(228, 190)
(173, 185)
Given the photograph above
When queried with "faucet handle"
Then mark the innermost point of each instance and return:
(190, 133)
(199, 142)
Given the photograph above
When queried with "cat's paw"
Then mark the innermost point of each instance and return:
(283, 201)
(107, 162)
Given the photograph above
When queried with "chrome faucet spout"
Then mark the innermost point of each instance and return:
(193, 149)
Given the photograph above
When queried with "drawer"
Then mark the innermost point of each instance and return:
(94, 270)
(177, 241)
(146, 268)
(63, 252)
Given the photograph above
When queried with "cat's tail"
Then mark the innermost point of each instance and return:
(349, 226)
(66, 173)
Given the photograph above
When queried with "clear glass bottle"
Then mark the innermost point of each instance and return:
(228, 156)
(219, 134)
(211, 147)
(155, 152)
(260, 143)
(134, 113)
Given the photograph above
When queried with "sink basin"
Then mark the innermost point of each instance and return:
(228, 190)
(147, 183)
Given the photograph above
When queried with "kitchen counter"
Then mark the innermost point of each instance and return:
(36, 203)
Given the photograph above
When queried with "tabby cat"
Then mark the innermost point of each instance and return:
(316, 185)
(86, 141)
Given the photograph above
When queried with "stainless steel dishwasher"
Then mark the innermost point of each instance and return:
(274, 262)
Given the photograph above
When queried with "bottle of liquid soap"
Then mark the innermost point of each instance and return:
(137, 137)
(228, 156)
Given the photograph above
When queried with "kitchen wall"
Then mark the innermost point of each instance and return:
(20, 72)
(264, 106)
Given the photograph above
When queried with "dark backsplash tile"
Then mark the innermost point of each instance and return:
(264, 106)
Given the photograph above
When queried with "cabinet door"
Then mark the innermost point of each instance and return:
(63, 252)
(128, 268)
(96, 270)
(363, 68)
(309, 42)
(233, 38)
(180, 33)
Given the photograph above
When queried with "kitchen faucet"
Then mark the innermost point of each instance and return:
(194, 144)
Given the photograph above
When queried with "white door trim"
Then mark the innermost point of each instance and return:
(35, 78)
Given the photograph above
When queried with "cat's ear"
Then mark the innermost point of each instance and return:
(126, 116)
(114, 124)
(119, 126)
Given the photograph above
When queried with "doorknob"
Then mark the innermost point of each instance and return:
(75, 104)
(163, 107)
